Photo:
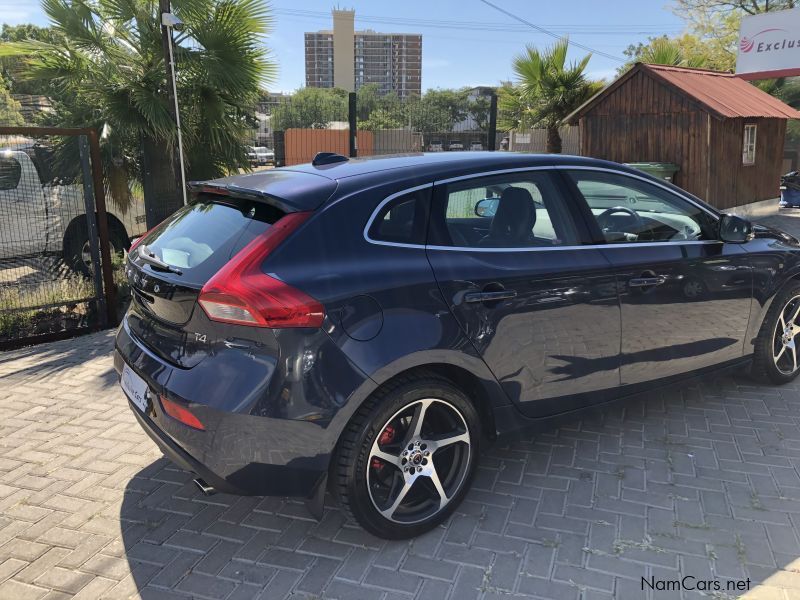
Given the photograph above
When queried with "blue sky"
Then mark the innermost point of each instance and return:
(465, 42)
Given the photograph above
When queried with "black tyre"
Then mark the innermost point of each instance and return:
(408, 457)
(777, 347)
(76, 244)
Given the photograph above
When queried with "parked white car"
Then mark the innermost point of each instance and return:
(260, 155)
(435, 146)
(39, 215)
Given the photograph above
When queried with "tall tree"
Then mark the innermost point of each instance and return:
(438, 110)
(9, 108)
(677, 52)
(549, 89)
(715, 24)
(511, 108)
(106, 66)
(311, 108)
(479, 110)
(750, 7)
(12, 67)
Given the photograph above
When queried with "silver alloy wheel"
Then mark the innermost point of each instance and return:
(427, 467)
(784, 339)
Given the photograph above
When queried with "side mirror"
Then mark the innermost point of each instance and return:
(735, 230)
(487, 207)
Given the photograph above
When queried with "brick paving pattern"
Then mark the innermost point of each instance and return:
(699, 479)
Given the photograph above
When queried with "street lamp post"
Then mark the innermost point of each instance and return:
(169, 22)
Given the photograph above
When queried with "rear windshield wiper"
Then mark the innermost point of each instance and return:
(150, 257)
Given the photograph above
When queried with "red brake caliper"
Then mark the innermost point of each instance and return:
(386, 437)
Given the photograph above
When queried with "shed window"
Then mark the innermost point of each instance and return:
(749, 146)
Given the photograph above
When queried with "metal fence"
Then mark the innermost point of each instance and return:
(57, 244)
(291, 129)
(535, 140)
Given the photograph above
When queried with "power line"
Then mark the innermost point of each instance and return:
(550, 33)
(507, 40)
(481, 26)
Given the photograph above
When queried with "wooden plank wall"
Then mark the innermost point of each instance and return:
(734, 183)
(673, 138)
(644, 120)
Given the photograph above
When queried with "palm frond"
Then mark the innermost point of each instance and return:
(548, 89)
(108, 68)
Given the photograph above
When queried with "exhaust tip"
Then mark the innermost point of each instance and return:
(204, 487)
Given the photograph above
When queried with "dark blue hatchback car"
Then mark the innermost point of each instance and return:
(362, 326)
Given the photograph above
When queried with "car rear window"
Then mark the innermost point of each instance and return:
(200, 238)
(403, 220)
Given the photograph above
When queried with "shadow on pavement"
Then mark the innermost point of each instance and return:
(50, 360)
(653, 484)
(176, 538)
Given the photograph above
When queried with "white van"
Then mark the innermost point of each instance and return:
(40, 215)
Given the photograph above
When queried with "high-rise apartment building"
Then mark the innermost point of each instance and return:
(349, 59)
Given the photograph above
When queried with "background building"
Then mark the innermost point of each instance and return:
(349, 59)
(724, 134)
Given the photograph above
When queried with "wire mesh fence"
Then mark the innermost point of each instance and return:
(292, 129)
(417, 124)
(51, 282)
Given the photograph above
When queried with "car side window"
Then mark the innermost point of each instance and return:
(402, 220)
(515, 210)
(10, 173)
(627, 210)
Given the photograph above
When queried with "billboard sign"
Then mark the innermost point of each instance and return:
(769, 45)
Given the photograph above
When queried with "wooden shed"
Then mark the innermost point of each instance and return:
(725, 134)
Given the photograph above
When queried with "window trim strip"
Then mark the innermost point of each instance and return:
(380, 206)
(431, 184)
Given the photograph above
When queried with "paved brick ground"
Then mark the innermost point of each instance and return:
(700, 479)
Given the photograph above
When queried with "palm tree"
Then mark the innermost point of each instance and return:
(665, 51)
(107, 70)
(549, 89)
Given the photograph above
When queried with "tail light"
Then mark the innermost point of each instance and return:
(181, 413)
(240, 293)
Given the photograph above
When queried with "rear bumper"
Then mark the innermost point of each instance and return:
(252, 443)
(180, 457)
(237, 454)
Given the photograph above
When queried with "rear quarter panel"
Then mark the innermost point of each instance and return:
(384, 308)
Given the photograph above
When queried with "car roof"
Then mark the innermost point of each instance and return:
(431, 164)
(319, 182)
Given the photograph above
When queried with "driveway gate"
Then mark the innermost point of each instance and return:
(56, 276)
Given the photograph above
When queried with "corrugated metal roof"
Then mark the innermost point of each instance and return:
(723, 93)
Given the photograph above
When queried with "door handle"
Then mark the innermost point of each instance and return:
(490, 296)
(647, 281)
